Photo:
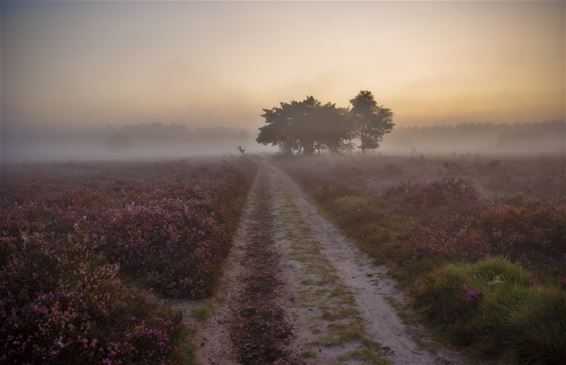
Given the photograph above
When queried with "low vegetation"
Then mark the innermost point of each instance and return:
(484, 261)
(496, 304)
(84, 246)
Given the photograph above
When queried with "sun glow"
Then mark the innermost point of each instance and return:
(220, 63)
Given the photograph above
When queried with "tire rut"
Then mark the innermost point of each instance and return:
(259, 330)
(247, 322)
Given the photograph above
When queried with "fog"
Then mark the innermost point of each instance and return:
(139, 141)
(542, 138)
(131, 80)
(167, 141)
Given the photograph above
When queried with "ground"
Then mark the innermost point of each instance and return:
(296, 291)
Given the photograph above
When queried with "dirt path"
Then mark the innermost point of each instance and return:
(295, 291)
(259, 330)
(244, 323)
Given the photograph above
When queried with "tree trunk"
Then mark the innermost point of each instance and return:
(308, 149)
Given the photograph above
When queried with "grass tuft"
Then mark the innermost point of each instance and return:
(494, 305)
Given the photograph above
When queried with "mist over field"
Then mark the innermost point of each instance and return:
(283, 183)
(485, 139)
(131, 142)
(76, 75)
(162, 141)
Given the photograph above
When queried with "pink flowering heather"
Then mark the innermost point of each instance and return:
(69, 235)
(471, 294)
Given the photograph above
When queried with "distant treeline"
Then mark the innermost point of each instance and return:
(143, 140)
(535, 136)
(156, 131)
(296, 127)
(171, 133)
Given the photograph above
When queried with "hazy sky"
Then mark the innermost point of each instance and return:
(220, 63)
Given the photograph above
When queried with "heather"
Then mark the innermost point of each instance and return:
(62, 303)
(85, 248)
(439, 222)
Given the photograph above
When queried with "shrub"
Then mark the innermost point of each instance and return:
(438, 239)
(537, 327)
(392, 169)
(496, 306)
(532, 232)
(61, 303)
(355, 210)
(424, 197)
(173, 246)
(493, 164)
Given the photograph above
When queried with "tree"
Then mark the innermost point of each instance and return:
(304, 126)
(308, 125)
(278, 129)
(370, 121)
(331, 126)
(304, 122)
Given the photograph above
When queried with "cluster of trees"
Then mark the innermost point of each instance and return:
(308, 125)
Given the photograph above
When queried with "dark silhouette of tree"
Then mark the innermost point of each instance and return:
(332, 127)
(278, 129)
(304, 126)
(308, 125)
(370, 121)
(305, 123)
(351, 132)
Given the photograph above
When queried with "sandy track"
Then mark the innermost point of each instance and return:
(373, 292)
(294, 290)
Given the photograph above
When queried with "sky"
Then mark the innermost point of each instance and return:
(220, 63)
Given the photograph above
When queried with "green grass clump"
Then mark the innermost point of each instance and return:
(308, 354)
(202, 313)
(537, 326)
(377, 229)
(495, 306)
(363, 355)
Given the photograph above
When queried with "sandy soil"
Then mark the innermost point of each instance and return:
(296, 291)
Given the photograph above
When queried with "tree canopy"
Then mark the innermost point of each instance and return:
(308, 125)
(370, 120)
